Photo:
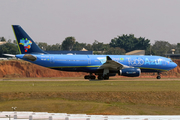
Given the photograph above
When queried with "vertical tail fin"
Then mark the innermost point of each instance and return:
(25, 44)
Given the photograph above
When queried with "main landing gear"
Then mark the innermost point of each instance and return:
(92, 77)
(159, 75)
(100, 77)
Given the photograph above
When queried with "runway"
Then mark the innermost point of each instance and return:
(82, 79)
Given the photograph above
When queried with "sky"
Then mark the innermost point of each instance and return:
(51, 21)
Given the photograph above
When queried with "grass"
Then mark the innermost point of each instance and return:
(82, 86)
(92, 97)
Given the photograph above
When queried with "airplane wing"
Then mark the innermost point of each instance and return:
(112, 65)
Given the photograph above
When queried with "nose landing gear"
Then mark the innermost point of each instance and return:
(159, 75)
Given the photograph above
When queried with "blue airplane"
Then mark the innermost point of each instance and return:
(103, 66)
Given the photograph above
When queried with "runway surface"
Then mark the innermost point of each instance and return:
(82, 79)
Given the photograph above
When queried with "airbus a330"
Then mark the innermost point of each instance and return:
(102, 66)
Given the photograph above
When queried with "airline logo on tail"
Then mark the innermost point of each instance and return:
(26, 43)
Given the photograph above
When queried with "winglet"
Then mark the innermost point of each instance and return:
(108, 58)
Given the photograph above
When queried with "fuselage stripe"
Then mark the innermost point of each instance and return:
(99, 66)
(72, 66)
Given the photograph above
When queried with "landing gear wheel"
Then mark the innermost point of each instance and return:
(93, 77)
(100, 77)
(90, 77)
(158, 77)
(86, 77)
(106, 77)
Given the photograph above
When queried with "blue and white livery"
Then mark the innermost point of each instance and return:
(103, 66)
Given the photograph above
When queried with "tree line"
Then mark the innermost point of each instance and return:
(117, 46)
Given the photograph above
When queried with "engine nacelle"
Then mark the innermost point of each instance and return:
(130, 72)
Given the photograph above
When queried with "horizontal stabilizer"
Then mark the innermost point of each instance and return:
(108, 58)
(9, 55)
(30, 57)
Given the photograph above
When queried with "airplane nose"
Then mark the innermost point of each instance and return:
(174, 65)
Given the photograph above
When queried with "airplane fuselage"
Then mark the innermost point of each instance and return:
(91, 63)
(101, 65)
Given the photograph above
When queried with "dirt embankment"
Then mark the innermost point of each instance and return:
(18, 68)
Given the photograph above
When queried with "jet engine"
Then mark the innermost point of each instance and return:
(130, 72)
